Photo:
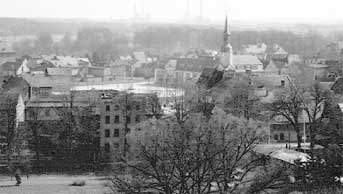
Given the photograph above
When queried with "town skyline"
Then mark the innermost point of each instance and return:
(265, 11)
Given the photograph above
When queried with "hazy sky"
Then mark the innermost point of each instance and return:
(175, 10)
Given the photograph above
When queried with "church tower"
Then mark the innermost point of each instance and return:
(226, 54)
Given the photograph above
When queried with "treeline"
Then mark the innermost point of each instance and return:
(161, 40)
(100, 41)
(175, 39)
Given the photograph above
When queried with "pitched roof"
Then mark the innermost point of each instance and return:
(56, 82)
(34, 65)
(60, 101)
(65, 61)
(246, 60)
(195, 64)
(59, 71)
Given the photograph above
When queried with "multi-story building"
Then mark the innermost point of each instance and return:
(121, 112)
(180, 70)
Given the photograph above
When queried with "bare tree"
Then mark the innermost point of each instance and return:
(79, 126)
(296, 101)
(316, 105)
(8, 124)
(35, 126)
(289, 105)
(195, 156)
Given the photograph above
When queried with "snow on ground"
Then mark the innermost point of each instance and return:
(134, 87)
(53, 184)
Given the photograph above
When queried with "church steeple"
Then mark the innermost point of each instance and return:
(226, 37)
(226, 49)
(226, 29)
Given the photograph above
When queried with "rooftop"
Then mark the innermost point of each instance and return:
(279, 151)
(193, 64)
(57, 82)
(134, 87)
(65, 61)
(246, 59)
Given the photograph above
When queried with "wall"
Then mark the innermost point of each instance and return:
(117, 108)
(288, 131)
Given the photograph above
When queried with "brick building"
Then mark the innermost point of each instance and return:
(121, 112)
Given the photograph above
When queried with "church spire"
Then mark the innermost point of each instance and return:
(226, 36)
(226, 49)
(225, 28)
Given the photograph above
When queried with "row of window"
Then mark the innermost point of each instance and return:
(117, 119)
(108, 147)
(281, 137)
(246, 67)
(41, 91)
(115, 133)
(117, 107)
(32, 113)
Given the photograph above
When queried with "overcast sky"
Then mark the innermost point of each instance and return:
(175, 10)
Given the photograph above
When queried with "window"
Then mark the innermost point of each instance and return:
(32, 113)
(107, 108)
(107, 147)
(254, 66)
(107, 119)
(115, 145)
(47, 112)
(107, 133)
(116, 119)
(128, 119)
(276, 137)
(282, 136)
(116, 107)
(138, 119)
(44, 91)
(137, 107)
(116, 133)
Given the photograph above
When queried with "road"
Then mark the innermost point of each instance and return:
(54, 184)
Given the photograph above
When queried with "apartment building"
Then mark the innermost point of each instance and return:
(121, 112)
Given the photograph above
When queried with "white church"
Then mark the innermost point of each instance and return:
(237, 63)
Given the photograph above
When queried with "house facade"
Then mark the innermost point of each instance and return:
(121, 112)
(182, 70)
